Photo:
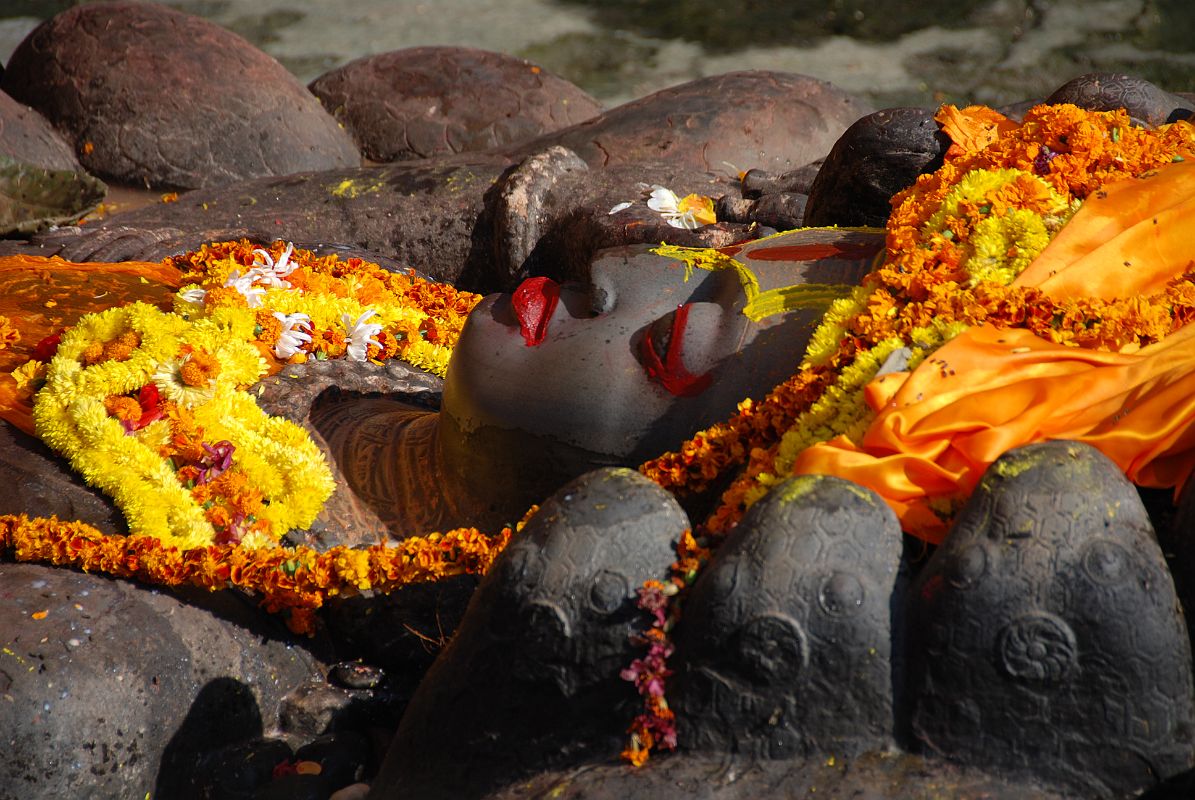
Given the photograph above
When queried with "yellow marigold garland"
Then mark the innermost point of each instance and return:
(134, 465)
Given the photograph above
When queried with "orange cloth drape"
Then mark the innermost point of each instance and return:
(40, 296)
(936, 430)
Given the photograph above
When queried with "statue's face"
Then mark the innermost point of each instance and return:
(583, 397)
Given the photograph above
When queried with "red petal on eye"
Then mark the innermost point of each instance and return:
(671, 372)
(534, 301)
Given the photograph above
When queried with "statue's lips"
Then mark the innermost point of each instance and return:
(617, 370)
(585, 383)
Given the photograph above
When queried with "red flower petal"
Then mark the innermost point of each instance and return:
(671, 372)
(534, 301)
(47, 347)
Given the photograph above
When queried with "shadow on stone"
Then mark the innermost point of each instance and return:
(225, 711)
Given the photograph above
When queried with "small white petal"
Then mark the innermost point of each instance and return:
(897, 361)
(193, 296)
(360, 335)
(620, 207)
(663, 200)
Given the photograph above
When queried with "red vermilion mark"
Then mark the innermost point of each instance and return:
(671, 373)
(534, 301)
(813, 252)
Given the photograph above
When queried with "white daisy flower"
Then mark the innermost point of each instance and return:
(244, 285)
(361, 334)
(293, 334)
(168, 377)
(689, 212)
(269, 272)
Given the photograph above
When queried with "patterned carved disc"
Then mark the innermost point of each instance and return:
(1038, 648)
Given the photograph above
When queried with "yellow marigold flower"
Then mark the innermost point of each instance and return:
(29, 375)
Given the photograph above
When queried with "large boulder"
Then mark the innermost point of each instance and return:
(429, 101)
(149, 95)
(109, 689)
(27, 137)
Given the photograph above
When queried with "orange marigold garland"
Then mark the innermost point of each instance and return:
(1061, 149)
(941, 270)
(295, 580)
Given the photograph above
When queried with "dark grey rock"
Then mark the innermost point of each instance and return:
(774, 121)
(523, 208)
(786, 638)
(343, 756)
(118, 688)
(237, 771)
(1047, 624)
(872, 776)
(149, 95)
(755, 183)
(1107, 91)
(355, 675)
(316, 708)
(28, 137)
(677, 138)
(34, 198)
(531, 677)
(422, 102)
(37, 480)
(295, 786)
(876, 157)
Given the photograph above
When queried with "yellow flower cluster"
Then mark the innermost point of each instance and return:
(71, 414)
(415, 320)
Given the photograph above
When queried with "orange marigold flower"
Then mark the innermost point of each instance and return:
(124, 408)
(92, 354)
(120, 348)
(199, 369)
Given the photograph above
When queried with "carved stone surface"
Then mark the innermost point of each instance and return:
(421, 102)
(786, 637)
(375, 426)
(531, 677)
(774, 121)
(1046, 637)
(523, 207)
(591, 364)
(876, 157)
(717, 776)
(229, 111)
(1106, 91)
